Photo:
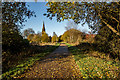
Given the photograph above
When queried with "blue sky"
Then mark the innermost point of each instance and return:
(51, 26)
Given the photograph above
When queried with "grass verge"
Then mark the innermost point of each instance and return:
(92, 67)
(25, 65)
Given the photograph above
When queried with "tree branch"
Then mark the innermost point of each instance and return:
(114, 19)
(109, 26)
(115, 31)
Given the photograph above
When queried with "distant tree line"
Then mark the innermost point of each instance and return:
(40, 37)
(71, 35)
(74, 35)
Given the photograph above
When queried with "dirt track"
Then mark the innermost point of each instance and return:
(59, 64)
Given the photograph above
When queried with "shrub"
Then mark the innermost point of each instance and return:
(108, 42)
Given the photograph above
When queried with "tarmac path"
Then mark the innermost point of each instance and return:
(59, 64)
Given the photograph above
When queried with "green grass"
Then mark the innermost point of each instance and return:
(57, 44)
(94, 67)
(68, 44)
(19, 69)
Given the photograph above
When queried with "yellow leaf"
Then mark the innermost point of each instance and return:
(73, 2)
(68, 2)
(52, 1)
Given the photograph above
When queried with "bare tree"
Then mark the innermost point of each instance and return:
(71, 25)
(28, 31)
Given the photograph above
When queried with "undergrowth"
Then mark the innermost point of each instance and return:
(25, 65)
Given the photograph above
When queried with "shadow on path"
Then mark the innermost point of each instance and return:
(59, 64)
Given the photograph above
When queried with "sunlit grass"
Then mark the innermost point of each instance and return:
(21, 68)
(94, 67)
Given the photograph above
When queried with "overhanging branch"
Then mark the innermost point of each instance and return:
(115, 31)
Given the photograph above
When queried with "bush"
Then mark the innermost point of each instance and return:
(13, 43)
(115, 48)
(108, 42)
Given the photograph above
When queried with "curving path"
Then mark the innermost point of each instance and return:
(59, 64)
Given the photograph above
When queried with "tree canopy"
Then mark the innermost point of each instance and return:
(92, 13)
(72, 36)
(14, 14)
(28, 31)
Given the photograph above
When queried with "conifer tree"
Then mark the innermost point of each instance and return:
(45, 37)
(54, 37)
